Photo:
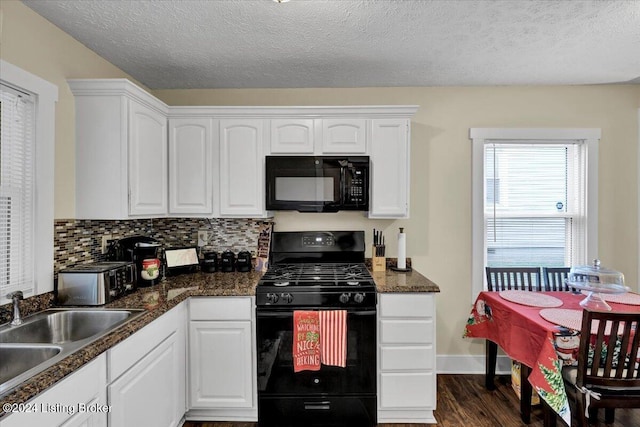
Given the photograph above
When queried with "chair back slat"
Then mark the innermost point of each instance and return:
(635, 349)
(513, 278)
(619, 334)
(554, 278)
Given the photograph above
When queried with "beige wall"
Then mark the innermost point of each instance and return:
(34, 44)
(439, 230)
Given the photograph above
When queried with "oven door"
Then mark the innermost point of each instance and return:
(331, 396)
(275, 361)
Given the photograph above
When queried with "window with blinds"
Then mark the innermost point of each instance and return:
(534, 203)
(17, 114)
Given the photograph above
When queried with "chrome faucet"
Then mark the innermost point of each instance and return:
(16, 297)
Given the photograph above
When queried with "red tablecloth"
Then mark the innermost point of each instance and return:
(528, 338)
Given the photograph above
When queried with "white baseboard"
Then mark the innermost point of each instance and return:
(470, 364)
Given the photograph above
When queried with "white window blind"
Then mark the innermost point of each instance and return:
(534, 202)
(17, 114)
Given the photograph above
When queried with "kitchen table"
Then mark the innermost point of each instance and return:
(525, 336)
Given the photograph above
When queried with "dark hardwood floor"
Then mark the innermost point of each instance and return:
(463, 401)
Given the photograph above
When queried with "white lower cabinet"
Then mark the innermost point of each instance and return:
(147, 374)
(222, 359)
(406, 358)
(78, 400)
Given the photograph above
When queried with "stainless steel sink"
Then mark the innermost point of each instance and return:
(18, 359)
(62, 326)
(49, 336)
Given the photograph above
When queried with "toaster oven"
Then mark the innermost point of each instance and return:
(96, 283)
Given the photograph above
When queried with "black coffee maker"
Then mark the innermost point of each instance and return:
(143, 252)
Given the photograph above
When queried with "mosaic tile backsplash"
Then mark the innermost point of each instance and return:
(80, 241)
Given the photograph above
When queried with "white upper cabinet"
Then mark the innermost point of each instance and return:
(390, 177)
(347, 135)
(292, 136)
(192, 166)
(121, 150)
(138, 158)
(147, 161)
(242, 167)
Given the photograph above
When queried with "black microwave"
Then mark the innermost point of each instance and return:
(317, 183)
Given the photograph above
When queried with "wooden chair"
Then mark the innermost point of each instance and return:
(501, 279)
(518, 278)
(554, 279)
(614, 375)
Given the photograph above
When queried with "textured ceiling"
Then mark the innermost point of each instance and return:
(334, 43)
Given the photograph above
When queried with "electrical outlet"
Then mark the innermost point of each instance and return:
(105, 243)
(204, 236)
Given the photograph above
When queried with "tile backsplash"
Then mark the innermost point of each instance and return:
(80, 241)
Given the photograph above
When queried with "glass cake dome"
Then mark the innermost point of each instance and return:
(596, 280)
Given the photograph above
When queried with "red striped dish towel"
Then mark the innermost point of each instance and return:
(306, 341)
(333, 337)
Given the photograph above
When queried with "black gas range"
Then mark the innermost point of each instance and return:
(316, 271)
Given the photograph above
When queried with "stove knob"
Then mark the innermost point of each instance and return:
(272, 298)
(288, 298)
(344, 298)
(358, 298)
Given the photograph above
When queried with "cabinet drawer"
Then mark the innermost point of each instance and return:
(407, 390)
(405, 358)
(221, 308)
(399, 331)
(407, 305)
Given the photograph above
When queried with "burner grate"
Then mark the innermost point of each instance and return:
(309, 273)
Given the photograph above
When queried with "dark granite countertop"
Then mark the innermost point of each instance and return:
(161, 298)
(394, 281)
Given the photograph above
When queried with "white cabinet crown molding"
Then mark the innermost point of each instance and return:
(114, 87)
(266, 112)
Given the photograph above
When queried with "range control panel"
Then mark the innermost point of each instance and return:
(318, 240)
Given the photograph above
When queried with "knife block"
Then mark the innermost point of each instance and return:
(378, 263)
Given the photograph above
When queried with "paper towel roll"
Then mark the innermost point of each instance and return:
(402, 249)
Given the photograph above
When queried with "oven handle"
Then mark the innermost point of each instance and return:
(287, 313)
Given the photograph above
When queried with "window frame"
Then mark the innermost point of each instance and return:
(482, 136)
(46, 96)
